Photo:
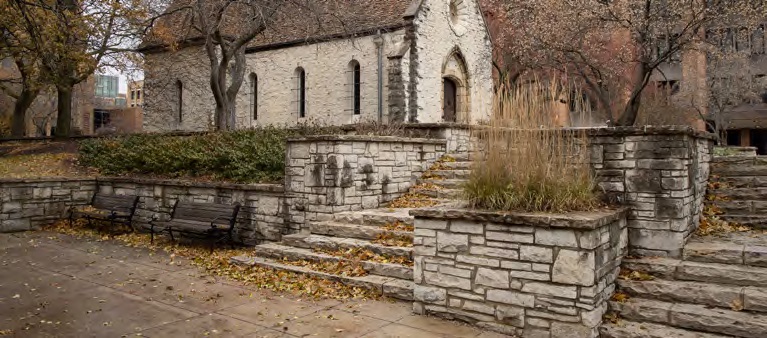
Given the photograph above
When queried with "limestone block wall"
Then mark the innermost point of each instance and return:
(525, 275)
(330, 174)
(261, 217)
(29, 204)
(661, 174)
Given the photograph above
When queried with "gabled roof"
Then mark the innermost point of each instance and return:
(295, 22)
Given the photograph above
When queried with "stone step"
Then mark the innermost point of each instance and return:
(693, 317)
(440, 193)
(277, 251)
(742, 194)
(452, 174)
(325, 242)
(458, 157)
(390, 287)
(630, 329)
(748, 168)
(721, 250)
(675, 269)
(346, 230)
(741, 207)
(445, 183)
(753, 299)
(375, 217)
(751, 220)
(744, 181)
(463, 165)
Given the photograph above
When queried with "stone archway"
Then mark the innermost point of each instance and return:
(455, 91)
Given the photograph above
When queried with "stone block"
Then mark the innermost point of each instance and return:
(493, 252)
(538, 276)
(430, 295)
(480, 307)
(434, 224)
(511, 315)
(533, 253)
(511, 298)
(466, 227)
(556, 237)
(567, 330)
(448, 242)
(510, 237)
(550, 290)
(448, 281)
(478, 260)
(492, 278)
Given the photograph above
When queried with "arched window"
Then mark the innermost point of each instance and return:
(254, 95)
(301, 88)
(356, 86)
(180, 92)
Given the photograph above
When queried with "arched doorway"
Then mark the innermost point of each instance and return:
(455, 91)
(450, 101)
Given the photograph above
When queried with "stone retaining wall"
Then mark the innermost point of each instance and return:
(330, 174)
(661, 174)
(529, 275)
(29, 204)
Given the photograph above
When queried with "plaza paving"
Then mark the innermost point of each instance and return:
(54, 285)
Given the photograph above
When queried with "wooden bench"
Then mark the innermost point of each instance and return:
(208, 220)
(114, 209)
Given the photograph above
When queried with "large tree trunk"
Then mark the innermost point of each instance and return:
(631, 111)
(20, 108)
(64, 118)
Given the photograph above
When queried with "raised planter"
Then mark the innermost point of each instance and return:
(525, 274)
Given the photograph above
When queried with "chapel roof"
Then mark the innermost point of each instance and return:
(295, 22)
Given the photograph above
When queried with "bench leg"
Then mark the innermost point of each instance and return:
(170, 232)
(151, 233)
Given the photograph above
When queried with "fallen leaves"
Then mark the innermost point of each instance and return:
(413, 200)
(363, 254)
(398, 226)
(391, 239)
(42, 165)
(219, 263)
(736, 305)
(339, 268)
(627, 274)
(620, 297)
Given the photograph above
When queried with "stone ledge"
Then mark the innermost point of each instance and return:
(648, 130)
(274, 188)
(47, 180)
(575, 220)
(367, 138)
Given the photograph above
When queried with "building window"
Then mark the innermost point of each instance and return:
(301, 88)
(254, 95)
(132, 94)
(138, 94)
(180, 92)
(356, 82)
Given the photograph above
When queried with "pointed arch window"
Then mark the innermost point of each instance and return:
(180, 93)
(254, 95)
(356, 86)
(301, 91)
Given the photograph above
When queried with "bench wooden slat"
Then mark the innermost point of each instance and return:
(196, 218)
(107, 206)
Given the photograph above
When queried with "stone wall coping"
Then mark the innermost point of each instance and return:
(367, 138)
(647, 130)
(46, 180)
(584, 220)
(274, 188)
(435, 125)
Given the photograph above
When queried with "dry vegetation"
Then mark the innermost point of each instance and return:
(527, 162)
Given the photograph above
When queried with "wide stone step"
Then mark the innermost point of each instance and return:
(629, 329)
(744, 181)
(375, 217)
(452, 174)
(693, 317)
(334, 243)
(750, 220)
(462, 165)
(748, 167)
(346, 230)
(445, 183)
(717, 250)
(458, 157)
(440, 193)
(742, 194)
(728, 274)
(277, 251)
(722, 296)
(388, 286)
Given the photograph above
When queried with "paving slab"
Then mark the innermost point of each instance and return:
(56, 285)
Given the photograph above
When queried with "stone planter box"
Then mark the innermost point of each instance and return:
(531, 275)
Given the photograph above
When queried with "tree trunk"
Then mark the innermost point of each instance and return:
(20, 111)
(64, 118)
(631, 111)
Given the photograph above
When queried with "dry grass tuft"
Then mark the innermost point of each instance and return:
(527, 161)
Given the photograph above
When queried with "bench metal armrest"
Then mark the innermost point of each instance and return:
(156, 217)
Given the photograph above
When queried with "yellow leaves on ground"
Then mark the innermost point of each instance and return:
(627, 274)
(41, 165)
(339, 268)
(399, 226)
(218, 263)
(413, 200)
(711, 225)
(390, 239)
(620, 297)
(361, 254)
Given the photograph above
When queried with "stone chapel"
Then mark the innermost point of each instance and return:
(418, 61)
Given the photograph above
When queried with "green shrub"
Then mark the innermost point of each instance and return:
(246, 156)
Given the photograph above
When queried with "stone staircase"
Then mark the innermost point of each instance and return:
(377, 240)
(718, 289)
(738, 189)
